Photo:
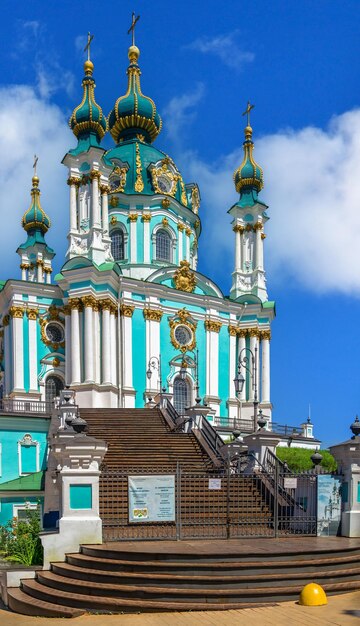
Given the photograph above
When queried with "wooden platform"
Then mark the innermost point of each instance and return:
(188, 575)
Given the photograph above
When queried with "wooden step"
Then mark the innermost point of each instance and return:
(21, 602)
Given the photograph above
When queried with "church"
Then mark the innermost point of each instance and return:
(129, 314)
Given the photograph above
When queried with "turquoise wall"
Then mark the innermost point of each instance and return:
(80, 496)
(6, 505)
(9, 437)
(139, 356)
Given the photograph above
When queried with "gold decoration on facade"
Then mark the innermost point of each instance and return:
(133, 217)
(24, 266)
(184, 279)
(118, 173)
(233, 331)
(84, 179)
(114, 202)
(195, 199)
(183, 192)
(180, 227)
(95, 174)
(164, 178)
(32, 313)
(249, 227)
(17, 311)
(107, 305)
(188, 231)
(75, 303)
(54, 312)
(197, 224)
(152, 315)
(6, 320)
(127, 310)
(67, 309)
(113, 220)
(72, 180)
(139, 183)
(56, 362)
(258, 226)
(238, 228)
(265, 334)
(254, 332)
(47, 270)
(183, 318)
(104, 190)
(263, 236)
(165, 222)
(140, 137)
(212, 326)
(165, 203)
(146, 217)
(89, 302)
(45, 339)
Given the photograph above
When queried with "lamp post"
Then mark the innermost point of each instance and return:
(154, 365)
(247, 359)
(183, 370)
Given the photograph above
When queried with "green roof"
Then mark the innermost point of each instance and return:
(30, 482)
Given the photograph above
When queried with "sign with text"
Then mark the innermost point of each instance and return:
(290, 483)
(214, 483)
(151, 498)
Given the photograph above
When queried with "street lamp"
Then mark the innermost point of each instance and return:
(249, 363)
(154, 365)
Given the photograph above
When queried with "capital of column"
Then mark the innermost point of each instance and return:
(146, 217)
(104, 189)
(133, 217)
(265, 334)
(127, 310)
(95, 174)
(90, 302)
(108, 305)
(72, 180)
(24, 266)
(238, 228)
(32, 313)
(75, 303)
(233, 331)
(242, 332)
(188, 231)
(17, 311)
(6, 320)
(212, 326)
(258, 226)
(254, 332)
(181, 227)
(153, 315)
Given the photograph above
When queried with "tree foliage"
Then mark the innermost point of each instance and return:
(299, 459)
(20, 541)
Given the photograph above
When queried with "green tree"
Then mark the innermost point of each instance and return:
(299, 459)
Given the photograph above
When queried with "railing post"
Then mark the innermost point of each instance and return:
(228, 500)
(276, 499)
(178, 501)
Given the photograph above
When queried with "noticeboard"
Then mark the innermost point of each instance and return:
(151, 498)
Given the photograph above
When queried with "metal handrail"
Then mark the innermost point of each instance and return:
(9, 405)
(233, 423)
(284, 429)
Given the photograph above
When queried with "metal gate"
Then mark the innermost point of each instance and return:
(222, 504)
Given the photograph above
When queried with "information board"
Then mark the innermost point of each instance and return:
(151, 498)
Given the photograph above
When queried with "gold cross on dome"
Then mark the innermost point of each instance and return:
(87, 47)
(132, 27)
(36, 158)
(247, 111)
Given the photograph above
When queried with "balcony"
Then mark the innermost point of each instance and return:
(226, 424)
(9, 406)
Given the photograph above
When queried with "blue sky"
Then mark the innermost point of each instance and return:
(300, 64)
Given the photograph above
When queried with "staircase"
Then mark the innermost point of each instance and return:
(169, 576)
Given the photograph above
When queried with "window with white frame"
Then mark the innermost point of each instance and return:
(182, 395)
(163, 245)
(118, 244)
(29, 455)
(20, 510)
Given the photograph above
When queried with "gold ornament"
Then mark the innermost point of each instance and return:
(195, 199)
(238, 228)
(183, 192)
(165, 222)
(56, 362)
(32, 313)
(17, 311)
(254, 332)
(263, 236)
(139, 183)
(146, 217)
(233, 331)
(180, 227)
(114, 202)
(73, 181)
(75, 303)
(188, 231)
(95, 174)
(113, 220)
(119, 172)
(133, 217)
(212, 326)
(6, 320)
(258, 226)
(89, 302)
(184, 279)
(127, 310)
(153, 315)
(265, 334)
(165, 203)
(197, 224)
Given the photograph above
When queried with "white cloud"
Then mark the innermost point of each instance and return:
(312, 187)
(225, 47)
(180, 113)
(51, 78)
(31, 125)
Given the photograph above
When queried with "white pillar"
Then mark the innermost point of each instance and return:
(113, 346)
(24, 268)
(127, 355)
(259, 260)
(17, 314)
(67, 312)
(152, 324)
(73, 184)
(232, 360)
(265, 366)
(105, 345)
(242, 353)
(39, 270)
(88, 302)
(212, 358)
(33, 360)
(180, 241)
(188, 233)
(238, 230)
(254, 334)
(95, 207)
(133, 238)
(7, 350)
(75, 305)
(146, 218)
(105, 208)
(96, 342)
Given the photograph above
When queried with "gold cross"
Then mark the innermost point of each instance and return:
(132, 27)
(87, 47)
(247, 111)
(36, 158)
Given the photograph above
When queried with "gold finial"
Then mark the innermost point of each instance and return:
(132, 28)
(88, 65)
(35, 178)
(247, 111)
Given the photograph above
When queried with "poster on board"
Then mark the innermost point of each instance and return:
(328, 505)
(152, 498)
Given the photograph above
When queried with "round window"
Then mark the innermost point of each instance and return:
(183, 335)
(54, 332)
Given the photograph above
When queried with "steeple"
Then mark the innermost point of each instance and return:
(134, 115)
(87, 121)
(35, 254)
(249, 215)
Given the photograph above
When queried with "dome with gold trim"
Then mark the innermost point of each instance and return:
(87, 120)
(134, 115)
(35, 217)
(249, 176)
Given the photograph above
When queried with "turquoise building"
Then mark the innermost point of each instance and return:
(129, 313)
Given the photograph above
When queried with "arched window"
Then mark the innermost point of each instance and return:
(182, 395)
(163, 246)
(117, 245)
(53, 386)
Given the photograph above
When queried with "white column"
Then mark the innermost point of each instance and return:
(253, 344)
(73, 183)
(88, 339)
(75, 342)
(212, 357)
(67, 312)
(105, 345)
(17, 314)
(33, 361)
(133, 238)
(39, 271)
(242, 352)
(127, 356)
(232, 360)
(188, 233)
(259, 260)
(180, 242)
(96, 342)
(24, 267)
(265, 366)
(238, 245)
(104, 208)
(7, 350)
(146, 221)
(113, 347)
(152, 324)
(95, 207)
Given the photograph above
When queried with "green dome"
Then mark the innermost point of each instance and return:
(35, 217)
(249, 176)
(87, 119)
(134, 115)
(139, 167)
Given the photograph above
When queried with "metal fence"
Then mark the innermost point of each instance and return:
(222, 504)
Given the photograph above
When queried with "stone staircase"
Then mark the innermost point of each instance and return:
(164, 576)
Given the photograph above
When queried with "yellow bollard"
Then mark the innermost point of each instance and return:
(312, 595)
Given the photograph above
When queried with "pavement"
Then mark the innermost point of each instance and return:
(341, 610)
